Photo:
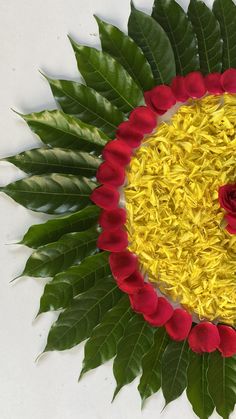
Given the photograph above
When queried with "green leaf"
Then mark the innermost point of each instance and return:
(132, 347)
(175, 23)
(222, 383)
(174, 370)
(207, 29)
(107, 76)
(150, 381)
(56, 160)
(55, 257)
(87, 105)
(86, 311)
(102, 344)
(58, 129)
(197, 389)
(69, 284)
(153, 41)
(225, 12)
(52, 230)
(129, 55)
(52, 194)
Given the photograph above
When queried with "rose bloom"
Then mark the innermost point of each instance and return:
(227, 199)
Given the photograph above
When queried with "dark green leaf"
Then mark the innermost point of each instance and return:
(87, 105)
(207, 29)
(107, 76)
(86, 311)
(132, 347)
(225, 12)
(55, 257)
(129, 55)
(52, 230)
(175, 22)
(174, 370)
(197, 389)
(150, 381)
(222, 383)
(102, 344)
(154, 42)
(53, 194)
(66, 285)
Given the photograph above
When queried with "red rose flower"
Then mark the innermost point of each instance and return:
(160, 99)
(227, 198)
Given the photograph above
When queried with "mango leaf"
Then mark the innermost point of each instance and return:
(153, 41)
(86, 311)
(175, 23)
(197, 389)
(69, 284)
(102, 344)
(222, 383)
(174, 370)
(131, 348)
(55, 257)
(56, 160)
(207, 29)
(150, 381)
(52, 194)
(87, 105)
(225, 12)
(129, 55)
(52, 230)
(58, 129)
(107, 76)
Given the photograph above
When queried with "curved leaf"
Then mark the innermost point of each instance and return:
(56, 160)
(86, 104)
(132, 347)
(69, 284)
(52, 230)
(102, 344)
(52, 194)
(104, 74)
(124, 50)
(225, 12)
(175, 22)
(207, 29)
(153, 41)
(174, 370)
(197, 389)
(222, 383)
(77, 322)
(58, 129)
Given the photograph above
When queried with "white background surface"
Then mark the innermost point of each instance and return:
(33, 36)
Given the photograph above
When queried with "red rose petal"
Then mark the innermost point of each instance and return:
(106, 197)
(143, 119)
(144, 301)
(110, 173)
(227, 197)
(195, 86)
(123, 264)
(160, 98)
(179, 326)
(118, 152)
(230, 230)
(128, 133)
(179, 89)
(228, 80)
(132, 284)
(231, 220)
(162, 314)
(213, 83)
(204, 337)
(227, 344)
(113, 219)
(113, 240)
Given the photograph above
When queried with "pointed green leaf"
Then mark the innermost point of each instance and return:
(150, 381)
(153, 41)
(207, 29)
(107, 76)
(55, 257)
(58, 129)
(222, 383)
(69, 284)
(174, 370)
(225, 12)
(102, 344)
(175, 23)
(77, 322)
(197, 388)
(136, 341)
(52, 194)
(124, 50)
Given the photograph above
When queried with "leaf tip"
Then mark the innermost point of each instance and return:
(115, 393)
